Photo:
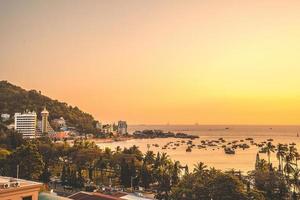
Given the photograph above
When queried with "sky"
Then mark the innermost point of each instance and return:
(158, 62)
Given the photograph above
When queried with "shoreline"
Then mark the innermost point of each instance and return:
(110, 140)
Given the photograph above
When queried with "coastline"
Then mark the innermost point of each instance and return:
(109, 140)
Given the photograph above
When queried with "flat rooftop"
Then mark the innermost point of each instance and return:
(9, 184)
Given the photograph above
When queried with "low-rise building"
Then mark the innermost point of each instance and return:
(18, 189)
(5, 117)
(59, 123)
(60, 135)
(107, 128)
(115, 196)
(98, 125)
(10, 126)
(122, 127)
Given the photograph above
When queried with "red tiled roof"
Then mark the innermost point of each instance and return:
(92, 196)
(60, 135)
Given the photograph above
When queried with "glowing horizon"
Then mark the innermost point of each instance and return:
(206, 62)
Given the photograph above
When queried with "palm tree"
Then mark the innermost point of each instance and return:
(269, 149)
(200, 168)
(281, 151)
(149, 157)
(297, 157)
(102, 164)
(288, 167)
(296, 179)
(292, 152)
(176, 169)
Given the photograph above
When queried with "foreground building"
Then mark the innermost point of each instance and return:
(18, 189)
(25, 123)
(100, 196)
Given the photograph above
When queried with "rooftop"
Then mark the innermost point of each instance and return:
(99, 196)
(9, 184)
(92, 196)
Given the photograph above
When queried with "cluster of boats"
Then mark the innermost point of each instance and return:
(229, 147)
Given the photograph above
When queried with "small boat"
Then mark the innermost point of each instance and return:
(229, 151)
(189, 149)
(263, 151)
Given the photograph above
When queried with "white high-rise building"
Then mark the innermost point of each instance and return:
(26, 123)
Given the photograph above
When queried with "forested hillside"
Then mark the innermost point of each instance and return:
(15, 99)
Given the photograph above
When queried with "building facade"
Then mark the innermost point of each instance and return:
(122, 127)
(45, 115)
(5, 117)
(18, 189)
(25, 123)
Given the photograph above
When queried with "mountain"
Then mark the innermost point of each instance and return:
(16, 99)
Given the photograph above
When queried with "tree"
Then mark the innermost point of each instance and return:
(227, 187)
(30, 162)
(64, 175)
(281, 151)
(200, 168)
(125, 174)
(212, 184)
(269, 149)
(296, 180)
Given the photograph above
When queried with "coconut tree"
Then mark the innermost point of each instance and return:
(269, 149)
(288, 167)
(281, 152)
(175, 172)
(296, 179)
(200, 168)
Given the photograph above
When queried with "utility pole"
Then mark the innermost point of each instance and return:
(18, 171)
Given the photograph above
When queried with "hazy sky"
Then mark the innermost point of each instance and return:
(154, 62)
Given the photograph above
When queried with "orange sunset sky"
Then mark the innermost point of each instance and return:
(157, 62)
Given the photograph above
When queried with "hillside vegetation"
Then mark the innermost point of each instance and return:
(16, 99)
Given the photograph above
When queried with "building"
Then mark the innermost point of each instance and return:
(122, 127)
(92, 196)
(51, 196)
(107, 128)
(26, 124)
(115, 196)
(5, 117)
(10, 126)
(18, 189)
(43, 126)
(45, 122)
(98, 125)
(60, 135)
(59, 123)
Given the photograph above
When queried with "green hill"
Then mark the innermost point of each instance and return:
(15, 99)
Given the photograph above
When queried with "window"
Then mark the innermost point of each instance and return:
(27, 198)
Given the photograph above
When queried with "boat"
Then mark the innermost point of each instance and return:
(263, 150)
(189, 149)
(229, 150)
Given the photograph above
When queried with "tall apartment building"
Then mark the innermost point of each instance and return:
(26, 123)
